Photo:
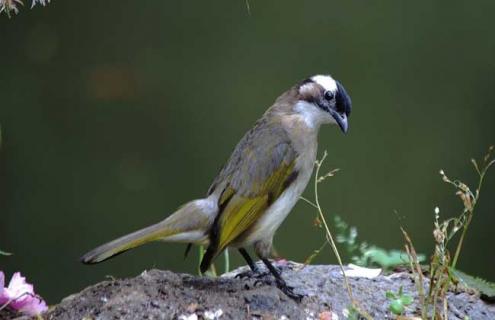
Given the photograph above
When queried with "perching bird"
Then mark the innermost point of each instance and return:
(258, 186)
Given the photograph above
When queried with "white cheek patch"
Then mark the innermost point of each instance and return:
(326, 82)
(311, 114)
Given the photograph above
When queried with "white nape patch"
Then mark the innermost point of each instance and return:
(326, 82)
(313, 116)
(306, 86)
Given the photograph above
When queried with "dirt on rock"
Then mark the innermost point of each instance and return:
(157, 294)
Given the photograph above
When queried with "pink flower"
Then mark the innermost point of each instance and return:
(20, 296)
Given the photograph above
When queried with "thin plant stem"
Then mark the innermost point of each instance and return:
(461, 239)
(212, 272)
(327, 229)
(471, 211)
(416, 269)
(329, 237)
(309, 202)
(226, 260)
(201, 253)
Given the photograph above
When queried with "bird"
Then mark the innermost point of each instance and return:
(257, 187)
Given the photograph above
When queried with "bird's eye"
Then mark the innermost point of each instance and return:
(329, 95)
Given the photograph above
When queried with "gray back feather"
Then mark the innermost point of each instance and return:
(256, 157)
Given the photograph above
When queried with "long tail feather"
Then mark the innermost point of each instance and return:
(189, 224)
(125, 243)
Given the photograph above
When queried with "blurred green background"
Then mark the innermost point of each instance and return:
(115, 113)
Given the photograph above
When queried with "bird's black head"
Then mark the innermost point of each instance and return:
(328, 95)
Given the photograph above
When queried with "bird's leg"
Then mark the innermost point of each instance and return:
(282, 285)
(249, 261)
(252, 265)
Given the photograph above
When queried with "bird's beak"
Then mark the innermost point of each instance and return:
(341, 120)
(344, 104)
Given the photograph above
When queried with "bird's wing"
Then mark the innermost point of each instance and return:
(259, 170)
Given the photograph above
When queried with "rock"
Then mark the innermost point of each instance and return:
(157, 294)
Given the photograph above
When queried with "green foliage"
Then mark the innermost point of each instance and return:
(365, 255)
(347, 236)
(398, 302)
(353, 313)
(486, 288)
(386, 259)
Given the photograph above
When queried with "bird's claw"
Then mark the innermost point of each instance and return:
(281, 285)
(289, 291)
(263, 278)
(250, 274)
(244, 274)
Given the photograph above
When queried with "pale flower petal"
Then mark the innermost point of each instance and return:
(20, 295)
(19, 291)
(361, 272)
(35, 306)
(3, 298)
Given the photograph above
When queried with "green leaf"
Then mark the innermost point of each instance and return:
(396, 307)
(406, 299)
(486, 288)
(387, 259)
(390, 295)
(353, 313)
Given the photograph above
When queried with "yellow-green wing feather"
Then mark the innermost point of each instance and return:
(258, 171)
(241, 212)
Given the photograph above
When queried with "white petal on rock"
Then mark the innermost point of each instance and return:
(361, 272)
(189, 317)
(213, 315)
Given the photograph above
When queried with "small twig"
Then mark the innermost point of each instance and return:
(327, 229)
(309, 259)
(308, 202)
(329, 236)
(415, 269)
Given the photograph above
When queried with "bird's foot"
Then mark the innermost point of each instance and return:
(245, 274)
(266, 279)
(254, 273)
(289, 291)
(250, 274)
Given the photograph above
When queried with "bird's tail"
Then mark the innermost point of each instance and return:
(188, 224)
